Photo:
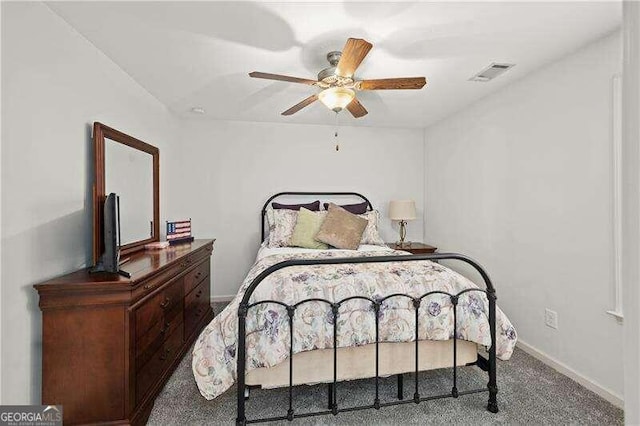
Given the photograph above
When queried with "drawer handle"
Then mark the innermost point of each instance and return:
(165, 327)
(148, 286)
(199, 312)
(199, 293)
(198, 275)
(166, 303)
(165, 354)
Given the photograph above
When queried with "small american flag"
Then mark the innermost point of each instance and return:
(179, 230)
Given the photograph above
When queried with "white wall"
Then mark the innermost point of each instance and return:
(231, 168)
(522, 181)
(55, 84)
(631, 212)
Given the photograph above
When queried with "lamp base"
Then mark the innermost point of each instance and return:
(403, 234)
(403, 244)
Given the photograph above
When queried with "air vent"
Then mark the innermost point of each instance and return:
(491, 72)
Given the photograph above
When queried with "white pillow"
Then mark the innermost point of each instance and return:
(281, 225)
(371, 235)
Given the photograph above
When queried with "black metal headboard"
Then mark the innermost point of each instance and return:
(280, 194)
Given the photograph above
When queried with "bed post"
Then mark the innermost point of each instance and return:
(241, 361)
(492, 406)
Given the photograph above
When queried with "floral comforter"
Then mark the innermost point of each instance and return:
(214, 354)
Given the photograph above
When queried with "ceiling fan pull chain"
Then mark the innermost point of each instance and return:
(336, 134)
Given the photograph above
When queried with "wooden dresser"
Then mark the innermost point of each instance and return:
(109, 343)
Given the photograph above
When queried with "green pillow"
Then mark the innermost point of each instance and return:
(307, 226)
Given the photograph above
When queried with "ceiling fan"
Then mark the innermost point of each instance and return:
(338, 82)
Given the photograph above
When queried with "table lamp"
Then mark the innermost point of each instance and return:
(402, 210)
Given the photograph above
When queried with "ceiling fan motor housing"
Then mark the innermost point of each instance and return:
(326, 74)
(328, 77)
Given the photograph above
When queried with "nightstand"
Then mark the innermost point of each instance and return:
(414, 248)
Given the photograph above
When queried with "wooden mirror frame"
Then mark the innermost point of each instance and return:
(100, 132)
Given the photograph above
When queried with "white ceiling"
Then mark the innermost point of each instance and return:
(199, 53)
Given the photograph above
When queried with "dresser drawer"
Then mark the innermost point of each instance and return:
(196, 305)
(152, 339)
(152, 284)
(198, 294)
(155, 309)
(158, 364)
(195, 277)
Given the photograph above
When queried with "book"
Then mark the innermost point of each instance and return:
(158, 245)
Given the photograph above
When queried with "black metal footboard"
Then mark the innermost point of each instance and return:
(487, 365)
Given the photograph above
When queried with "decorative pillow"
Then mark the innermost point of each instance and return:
(359, 208)
(307, 226)
(314, 207)
(371, 235)
(341, 229)
(281, 225)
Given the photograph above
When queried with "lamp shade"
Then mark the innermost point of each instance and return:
(402, 210)
(336, 98)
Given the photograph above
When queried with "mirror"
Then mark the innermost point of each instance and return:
(129, 168)
(129, 173)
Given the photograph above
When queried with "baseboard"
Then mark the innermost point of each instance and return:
(605, 393)
(218, 299)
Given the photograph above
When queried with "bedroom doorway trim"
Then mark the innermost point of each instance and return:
(631, 208)
(616, 190)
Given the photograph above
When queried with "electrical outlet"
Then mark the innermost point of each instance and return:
(551, 318)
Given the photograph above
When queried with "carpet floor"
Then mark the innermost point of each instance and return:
(529, 392)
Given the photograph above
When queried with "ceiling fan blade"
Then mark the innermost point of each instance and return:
(280, 77)
(354, 51)
(356, 109)
(392, 83)
(297, 107)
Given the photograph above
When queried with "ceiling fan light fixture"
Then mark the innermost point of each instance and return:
(336, 98)
(337, 83)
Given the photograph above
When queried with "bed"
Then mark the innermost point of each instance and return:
(325, 316)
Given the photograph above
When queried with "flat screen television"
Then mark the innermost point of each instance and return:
(110, 259)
